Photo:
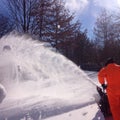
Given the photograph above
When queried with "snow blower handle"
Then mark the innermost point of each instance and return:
(101, 90)
(104, 86)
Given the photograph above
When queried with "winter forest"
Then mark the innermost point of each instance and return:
(50, 21)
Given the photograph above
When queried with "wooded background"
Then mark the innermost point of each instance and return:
(51, 22)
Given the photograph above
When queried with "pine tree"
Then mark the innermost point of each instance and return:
(54, 22)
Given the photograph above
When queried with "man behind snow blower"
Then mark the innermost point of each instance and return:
(110, 74)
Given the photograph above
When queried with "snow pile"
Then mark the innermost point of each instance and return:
(29, 68)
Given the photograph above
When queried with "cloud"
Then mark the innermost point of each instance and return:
(108, 4)
(76, 5)
(81, 5)
(88, 10)
(118, 2)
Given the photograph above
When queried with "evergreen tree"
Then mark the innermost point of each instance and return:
(54, 22)
(83, 49)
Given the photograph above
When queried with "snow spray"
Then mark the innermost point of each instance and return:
(32, 68)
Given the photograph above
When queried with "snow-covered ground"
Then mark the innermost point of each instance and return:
(41, 83)
(90, 112)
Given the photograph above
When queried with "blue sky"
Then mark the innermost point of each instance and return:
(2, 6)
(88, 10)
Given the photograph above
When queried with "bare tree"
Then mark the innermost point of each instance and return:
(20, 13)
(5, 25)
(104, 27)
(106, 36)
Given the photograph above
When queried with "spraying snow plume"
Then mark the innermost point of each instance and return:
(28, 68)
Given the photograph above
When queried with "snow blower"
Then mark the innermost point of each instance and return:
(104, 103)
